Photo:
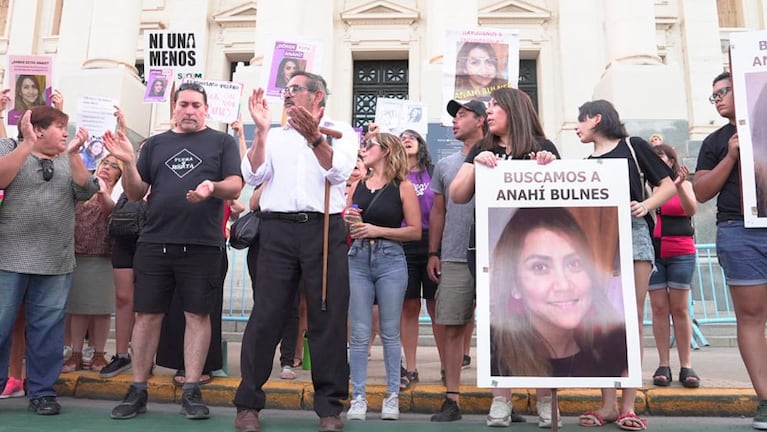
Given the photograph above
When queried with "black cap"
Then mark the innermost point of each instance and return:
(475, 106)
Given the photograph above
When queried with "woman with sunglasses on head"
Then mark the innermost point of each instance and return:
(376, 209)
(599, 123)
(91, 299)
(515, 132)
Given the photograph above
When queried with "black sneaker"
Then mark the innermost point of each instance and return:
(133, 404)
(115, 367)
(192, 405)
(45, 405)
(448, 412)
(466, 362)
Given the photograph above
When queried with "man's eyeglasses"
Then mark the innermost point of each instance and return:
(110, 164)
(47, 167)
(719, 95)
(293, 89)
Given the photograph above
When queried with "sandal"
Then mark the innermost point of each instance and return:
(297, 362)
(689, 378)
(662, 376)
(179, 378)
(287, 373)
(593, 419)
(205, 378)
(631, 422)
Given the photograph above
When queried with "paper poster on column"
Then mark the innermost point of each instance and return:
(159, 82)
(182, 51)
(31, 83)
(476, 62)
(397, 115)
(97, 115)
(223, 99)
(748, 54)
(285, 55)
(556, 305)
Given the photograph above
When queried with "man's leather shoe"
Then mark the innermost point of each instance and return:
(247, 420)
(331, 424)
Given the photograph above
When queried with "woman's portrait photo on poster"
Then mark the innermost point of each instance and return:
(158, 87)
(29, 92)
(550, 308)
(756, 95)
(480, 68)
(92, 152)
(287, 67)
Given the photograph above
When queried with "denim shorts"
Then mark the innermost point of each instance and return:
(673, 272)
(641, 240)
(742, 253)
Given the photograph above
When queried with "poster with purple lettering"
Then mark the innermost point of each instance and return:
(287, 56)
(158, 84)
(748, 56)
(223, 99)
(556, 306)
(32, 84)
(476, 62)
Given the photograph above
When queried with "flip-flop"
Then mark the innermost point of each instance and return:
(205, 378)
(179, 378)
(631, 422)
(594, 419)
(288, 373)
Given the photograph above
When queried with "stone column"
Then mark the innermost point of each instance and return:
(23, 24)
(635, 80)
(114, 30)
(108, 67)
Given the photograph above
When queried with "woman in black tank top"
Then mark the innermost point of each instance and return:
(377, 267)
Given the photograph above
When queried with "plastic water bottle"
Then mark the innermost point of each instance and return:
(353, 218)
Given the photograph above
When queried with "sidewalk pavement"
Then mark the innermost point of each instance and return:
(725, 390)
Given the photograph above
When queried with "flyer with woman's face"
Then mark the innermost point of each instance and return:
(31, 79)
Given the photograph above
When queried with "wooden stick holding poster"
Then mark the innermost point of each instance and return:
(748, 56)
(555, 283)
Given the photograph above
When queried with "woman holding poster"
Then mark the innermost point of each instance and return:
(545, 287)
(28, 92)
(515, 132)
(478, 71)
(599, 123)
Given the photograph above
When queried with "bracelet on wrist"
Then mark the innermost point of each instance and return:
(434, 254)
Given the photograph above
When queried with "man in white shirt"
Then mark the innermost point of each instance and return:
(294, 163)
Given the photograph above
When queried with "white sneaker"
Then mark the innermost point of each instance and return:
(358, 409)
(500, 413)
(544, 413)
(390, 407)
(88, 353)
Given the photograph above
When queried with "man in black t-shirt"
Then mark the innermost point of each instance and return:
(741, 251)
(192, 170)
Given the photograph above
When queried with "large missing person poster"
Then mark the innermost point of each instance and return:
(556, 305)
(748, 53)
(284, 56)
(476, 62)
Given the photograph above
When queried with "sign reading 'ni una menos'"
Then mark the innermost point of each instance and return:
(180, 50)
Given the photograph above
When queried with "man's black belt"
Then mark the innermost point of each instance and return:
(300, 217)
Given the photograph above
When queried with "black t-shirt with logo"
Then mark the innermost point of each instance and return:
(174, 163)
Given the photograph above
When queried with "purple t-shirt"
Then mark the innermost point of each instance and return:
(421, 181)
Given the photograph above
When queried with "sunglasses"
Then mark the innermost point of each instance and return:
(719, 95)
(370, 143)
(191, 86)
(293, 89)
(47, 167)
(110, 164)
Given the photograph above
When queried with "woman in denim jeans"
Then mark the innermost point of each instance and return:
(675, 264)
(377, 267)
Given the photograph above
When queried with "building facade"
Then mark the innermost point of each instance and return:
(654, 59)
